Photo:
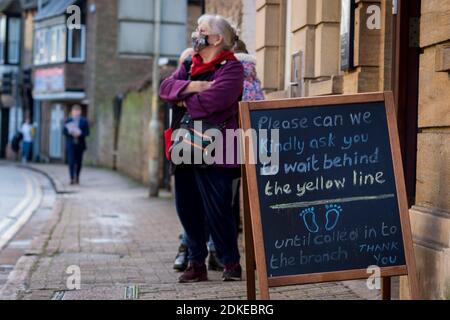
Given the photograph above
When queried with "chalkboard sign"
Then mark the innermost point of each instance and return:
(330, 203)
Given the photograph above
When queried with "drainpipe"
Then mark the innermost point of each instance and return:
(155, 127)
(118, 102)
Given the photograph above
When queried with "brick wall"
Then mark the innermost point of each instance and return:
(107, 74)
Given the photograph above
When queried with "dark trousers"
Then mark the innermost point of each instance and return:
(204, 196)
(75, 160)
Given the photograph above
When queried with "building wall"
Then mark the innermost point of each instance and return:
(431, 214)
(231, 9)
(270, 44)
(134, 135)
(194, 12)
(45, 129)
(248, 25)
(312, 27)
(242, 13)
(28, 39)
(108, 74)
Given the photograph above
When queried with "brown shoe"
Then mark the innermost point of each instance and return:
(232, 272)
(195, 272)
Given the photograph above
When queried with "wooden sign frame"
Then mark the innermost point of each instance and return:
(254, 238)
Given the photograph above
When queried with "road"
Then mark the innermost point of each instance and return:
(23, 193)
(13, 188)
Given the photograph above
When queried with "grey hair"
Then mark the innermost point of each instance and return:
(221, 26)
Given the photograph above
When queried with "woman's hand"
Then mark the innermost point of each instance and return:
(198, 86)
(181, 104)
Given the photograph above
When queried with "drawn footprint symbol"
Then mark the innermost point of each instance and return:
(309, 218)
(332, 215)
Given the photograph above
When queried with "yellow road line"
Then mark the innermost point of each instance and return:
(21, 205)
(23, 212)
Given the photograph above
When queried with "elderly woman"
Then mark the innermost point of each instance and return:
(210, 92)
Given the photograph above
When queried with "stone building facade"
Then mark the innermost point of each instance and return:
(403, 46)
(431, 212)
(242, 14)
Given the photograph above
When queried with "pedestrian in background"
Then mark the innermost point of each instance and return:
(210, 92)
(76, 130)
(28, 132)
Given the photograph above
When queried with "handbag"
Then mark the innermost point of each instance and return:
(196, 141)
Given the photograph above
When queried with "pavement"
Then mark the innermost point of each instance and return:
(107, 240)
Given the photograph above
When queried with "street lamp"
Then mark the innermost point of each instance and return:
(155, 125)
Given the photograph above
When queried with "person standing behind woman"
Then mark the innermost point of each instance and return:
(210, 92)
(76, 129)
(252, 85)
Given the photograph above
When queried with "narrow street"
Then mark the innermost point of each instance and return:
(121, 242)
(27, 200)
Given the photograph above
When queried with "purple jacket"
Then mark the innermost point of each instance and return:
(216, 105)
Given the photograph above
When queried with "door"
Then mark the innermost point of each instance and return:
(406, 85)
(56, 132)
(4, 131)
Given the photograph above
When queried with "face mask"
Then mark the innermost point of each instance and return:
(199, 41)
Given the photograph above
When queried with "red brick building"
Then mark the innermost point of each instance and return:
(80, 66)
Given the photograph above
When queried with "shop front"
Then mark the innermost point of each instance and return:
(53, 104)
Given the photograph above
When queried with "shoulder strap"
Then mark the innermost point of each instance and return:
(188, 66)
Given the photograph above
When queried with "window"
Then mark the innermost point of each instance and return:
(58, 47)
(14, 25)
(135, 38)
(77, 45)
(2, 38)
(39, 46)
(50, 45)
(136, 27)
(10, 37)
(347, 34)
